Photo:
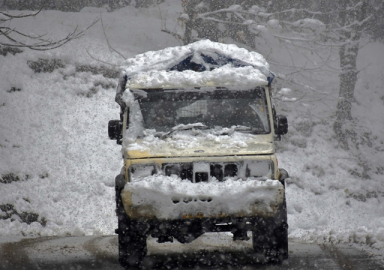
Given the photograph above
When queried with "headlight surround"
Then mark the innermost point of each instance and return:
(261, 169)
(139, 171)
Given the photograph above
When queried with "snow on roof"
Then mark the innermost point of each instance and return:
(203, 63)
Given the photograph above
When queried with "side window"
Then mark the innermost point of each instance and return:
(262, 113)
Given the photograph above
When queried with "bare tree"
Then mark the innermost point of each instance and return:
(11, 37)
(63, 5)
(350, 29)
(214, 20)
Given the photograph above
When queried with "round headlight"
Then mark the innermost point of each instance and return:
(138, 172)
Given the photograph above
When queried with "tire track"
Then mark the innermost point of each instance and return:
(349, 258)
(101, 255)
(14, 256)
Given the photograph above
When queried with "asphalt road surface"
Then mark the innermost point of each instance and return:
(207, 252)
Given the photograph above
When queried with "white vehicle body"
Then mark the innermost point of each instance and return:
(197, 128)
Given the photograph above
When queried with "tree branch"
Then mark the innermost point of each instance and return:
(40, 44)
(107, 39)
(175, 35)
(10, 17)
(98, 60)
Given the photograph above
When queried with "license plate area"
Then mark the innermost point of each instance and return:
(192, 216)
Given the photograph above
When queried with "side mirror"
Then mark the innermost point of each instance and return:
(281, 125)
(115, 128)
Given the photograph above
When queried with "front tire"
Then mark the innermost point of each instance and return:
(271, 237)
(132, 248)
(131, 237)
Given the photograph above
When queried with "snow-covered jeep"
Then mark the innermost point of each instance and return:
(197, 128)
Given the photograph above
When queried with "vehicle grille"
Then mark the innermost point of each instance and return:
(196, 173)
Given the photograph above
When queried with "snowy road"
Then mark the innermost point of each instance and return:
(92, 252)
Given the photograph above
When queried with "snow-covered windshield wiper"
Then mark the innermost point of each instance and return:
(184, 127)
(244, 128)
(229, 131)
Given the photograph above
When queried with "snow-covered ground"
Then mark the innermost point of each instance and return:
(53, 131)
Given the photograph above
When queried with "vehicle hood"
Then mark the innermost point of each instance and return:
(200, 144)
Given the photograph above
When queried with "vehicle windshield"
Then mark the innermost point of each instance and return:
(246, 110)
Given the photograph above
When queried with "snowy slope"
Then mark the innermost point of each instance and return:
(53, 132)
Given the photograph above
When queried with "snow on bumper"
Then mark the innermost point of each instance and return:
(164, 197)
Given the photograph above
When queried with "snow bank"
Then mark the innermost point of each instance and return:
(171, 196)
(53, 126)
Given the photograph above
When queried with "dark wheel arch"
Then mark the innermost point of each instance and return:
(132, 240)
(270, 239)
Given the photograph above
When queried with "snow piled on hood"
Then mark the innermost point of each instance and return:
(188, 139)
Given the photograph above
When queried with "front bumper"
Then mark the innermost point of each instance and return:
(173, 200)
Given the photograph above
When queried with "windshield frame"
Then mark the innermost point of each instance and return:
(213, 93)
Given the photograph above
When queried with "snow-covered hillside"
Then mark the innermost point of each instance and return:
(57, 165)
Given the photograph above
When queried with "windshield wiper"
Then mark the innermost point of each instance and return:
(184, 127)
(248, 129)
(229, 131)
